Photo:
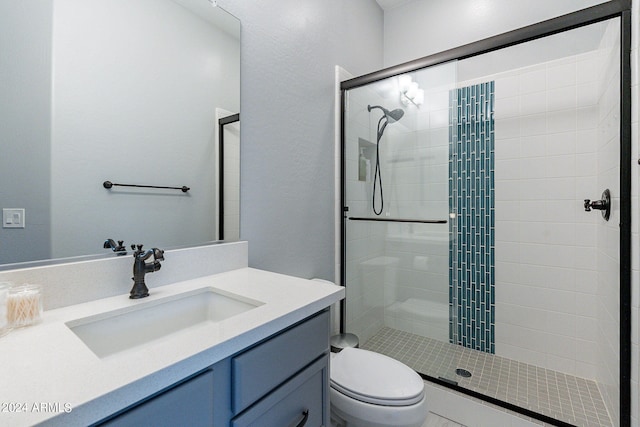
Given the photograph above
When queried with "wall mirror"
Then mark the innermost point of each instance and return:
(120, 91)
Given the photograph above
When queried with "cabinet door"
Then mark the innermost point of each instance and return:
(301, 401)
(189, 403)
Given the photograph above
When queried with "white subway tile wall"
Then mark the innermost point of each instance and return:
(557, 282)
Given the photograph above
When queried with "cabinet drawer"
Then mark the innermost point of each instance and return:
(301, 401)
(259, 370)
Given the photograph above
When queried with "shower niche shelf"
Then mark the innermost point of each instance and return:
(366, 158)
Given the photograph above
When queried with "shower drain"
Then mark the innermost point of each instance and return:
(463, 373)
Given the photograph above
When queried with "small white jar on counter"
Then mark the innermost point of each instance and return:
(24, 305)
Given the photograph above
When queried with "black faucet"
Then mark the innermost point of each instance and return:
(140, 268)
(117, 248)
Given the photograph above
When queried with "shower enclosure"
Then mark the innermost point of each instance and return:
(469, 250)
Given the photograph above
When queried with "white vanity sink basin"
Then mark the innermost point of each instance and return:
(118, 330)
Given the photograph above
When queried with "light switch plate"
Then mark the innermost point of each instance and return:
(13, 218)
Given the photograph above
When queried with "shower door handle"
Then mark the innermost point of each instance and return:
(603, 205)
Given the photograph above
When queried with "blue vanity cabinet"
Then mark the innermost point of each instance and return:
(280, 381)
(189, 403)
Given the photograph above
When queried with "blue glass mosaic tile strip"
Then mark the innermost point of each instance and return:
(471, 198)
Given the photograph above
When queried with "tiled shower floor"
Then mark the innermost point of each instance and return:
(564, 397)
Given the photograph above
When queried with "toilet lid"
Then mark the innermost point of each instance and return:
(375, 378)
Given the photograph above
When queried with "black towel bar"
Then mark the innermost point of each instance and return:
(109, 184)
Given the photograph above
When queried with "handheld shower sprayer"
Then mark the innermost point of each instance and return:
(388, 117)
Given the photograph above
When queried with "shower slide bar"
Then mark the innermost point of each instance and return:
(420, 221)
(109, 184)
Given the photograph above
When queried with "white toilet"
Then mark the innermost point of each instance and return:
(372, 390)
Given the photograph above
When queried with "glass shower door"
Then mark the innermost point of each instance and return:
(396, 227)
(469, 255)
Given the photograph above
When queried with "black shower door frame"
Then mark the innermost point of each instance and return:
(612, 9)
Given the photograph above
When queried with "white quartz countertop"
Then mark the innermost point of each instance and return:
(48, 375)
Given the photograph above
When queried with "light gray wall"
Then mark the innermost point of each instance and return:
(289, 50)
(25, 89)
(424, 27)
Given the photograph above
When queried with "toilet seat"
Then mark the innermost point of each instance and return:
(375, 378)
